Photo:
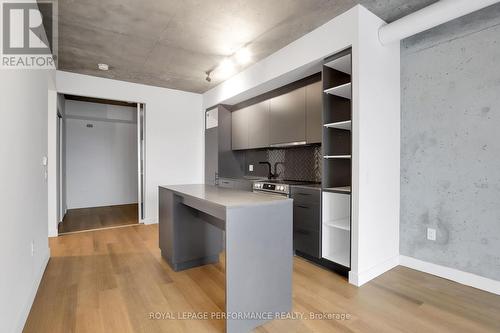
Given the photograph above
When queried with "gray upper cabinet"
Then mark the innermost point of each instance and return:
(314, 108)
(288, 117)
(239, 133)
(258, 125)
(219, 158)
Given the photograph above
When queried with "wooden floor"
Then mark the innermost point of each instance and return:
(110, 280)
(99, 217)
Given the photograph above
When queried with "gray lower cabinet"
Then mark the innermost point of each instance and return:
(307, 221)
(258, 125)
(288, 117)
(314, 110)
(239, 133)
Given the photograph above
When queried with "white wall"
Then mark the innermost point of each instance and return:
(376, 152)
(174, 129)
(23, 196)
(101, 161)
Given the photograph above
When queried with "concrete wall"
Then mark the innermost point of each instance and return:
(101, 160)
(450, 159)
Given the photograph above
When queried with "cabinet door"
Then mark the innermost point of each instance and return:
(307, 241)
(314, 109)
(288, 117)
(258, 125)
(226, 183)
(239, 129)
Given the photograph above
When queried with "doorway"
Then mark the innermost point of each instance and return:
(101, 159)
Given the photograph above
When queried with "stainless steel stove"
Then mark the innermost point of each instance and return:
(276, 187)
(271, 188)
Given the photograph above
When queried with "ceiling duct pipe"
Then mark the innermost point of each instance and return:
(429, 17)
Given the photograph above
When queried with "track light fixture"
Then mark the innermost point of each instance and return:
(228, 65)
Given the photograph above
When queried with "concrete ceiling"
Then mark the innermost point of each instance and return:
(171, 43)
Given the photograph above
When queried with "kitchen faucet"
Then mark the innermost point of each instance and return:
(270, 174)
(276, 173)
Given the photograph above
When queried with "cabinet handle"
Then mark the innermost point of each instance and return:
(303, 193)
(300, 206)
(288, 144)
(301, 231)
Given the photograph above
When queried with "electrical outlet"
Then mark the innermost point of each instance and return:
(431, 234)
(250, 167)
(32, 248)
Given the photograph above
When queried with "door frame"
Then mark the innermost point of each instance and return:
(141, 159)
(141, 152)
(59, 161)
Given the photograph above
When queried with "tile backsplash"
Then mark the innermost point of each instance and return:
(298, 163)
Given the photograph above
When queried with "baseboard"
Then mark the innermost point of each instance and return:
(452, 274)
(150, 220)
(359, 279)
(36, 283)
(103, 205)
(54, 233)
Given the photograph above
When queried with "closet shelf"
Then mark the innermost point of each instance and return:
(343, 125)
(343, 90)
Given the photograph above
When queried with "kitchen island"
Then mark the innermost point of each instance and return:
(257, 246)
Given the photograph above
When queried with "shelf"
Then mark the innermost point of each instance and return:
(337, 156)
(336, 245)
(343, 125)
(342, 224)
(339, 257)
(342, 64)
(342, 189)
(343, 90)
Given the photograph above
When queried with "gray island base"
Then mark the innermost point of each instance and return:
(258, 246)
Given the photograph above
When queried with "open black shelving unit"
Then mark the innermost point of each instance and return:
(337, 159)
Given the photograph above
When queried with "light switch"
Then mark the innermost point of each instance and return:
(250, 167)
(431, 234)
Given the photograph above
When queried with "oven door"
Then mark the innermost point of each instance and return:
(270, 193)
